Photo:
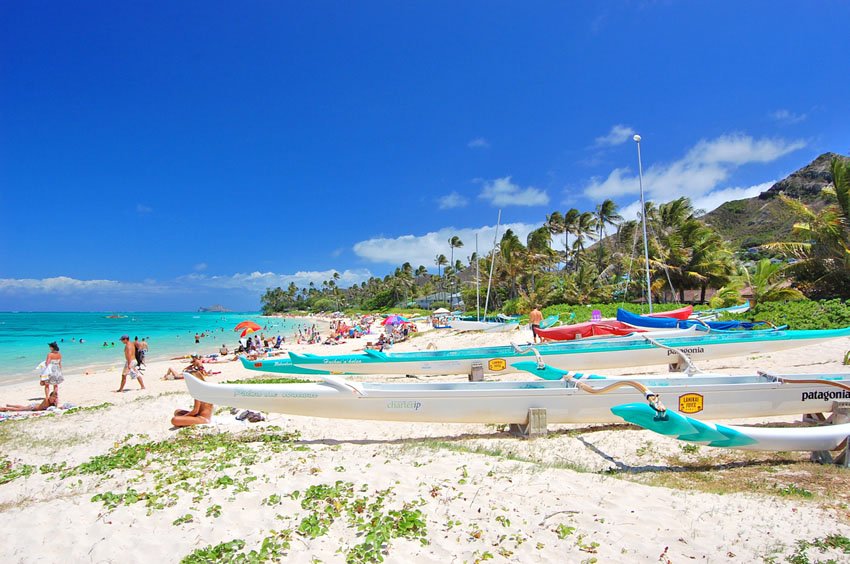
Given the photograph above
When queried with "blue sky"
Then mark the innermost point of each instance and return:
(159, 156)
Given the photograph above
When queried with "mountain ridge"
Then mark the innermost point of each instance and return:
(751, 222)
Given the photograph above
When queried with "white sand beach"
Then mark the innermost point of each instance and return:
(460, 493)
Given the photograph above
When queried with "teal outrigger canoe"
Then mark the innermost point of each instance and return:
(639, 349)
(281, 365)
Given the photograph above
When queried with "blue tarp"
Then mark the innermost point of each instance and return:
(670, 323)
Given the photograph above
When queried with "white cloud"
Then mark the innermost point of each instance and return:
(707, 202)
(201, 266)
(254, 282)
(713, 200)
(142, 208)
(258, 281)
(502, 193)
(699, 172)
(453, 200)
(478, 143)
(786, 116)
(67, 285)
(423, 249)
(618, 135)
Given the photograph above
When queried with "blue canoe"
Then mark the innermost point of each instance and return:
(670, 323)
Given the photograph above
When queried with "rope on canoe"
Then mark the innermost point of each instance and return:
(806, 381)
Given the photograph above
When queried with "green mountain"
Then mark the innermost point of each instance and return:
(764, 218)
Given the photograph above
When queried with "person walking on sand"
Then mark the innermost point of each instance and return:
(131, 366)
(534, 319)
(52, 373)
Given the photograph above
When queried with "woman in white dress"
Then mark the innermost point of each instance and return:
(52, 373)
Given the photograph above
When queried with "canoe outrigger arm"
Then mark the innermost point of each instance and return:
(519, 350)
(342, 384)
(550, 373)
(691, 368)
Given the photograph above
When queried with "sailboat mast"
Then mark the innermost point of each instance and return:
(477, 282)
(492, 263)
(643, 217)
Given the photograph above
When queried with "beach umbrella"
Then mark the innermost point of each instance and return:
(441, 311)
(394, 320)
(248, 331)
(247, 325)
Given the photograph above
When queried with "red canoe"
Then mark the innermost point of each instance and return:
(681, 313)
(587, 329)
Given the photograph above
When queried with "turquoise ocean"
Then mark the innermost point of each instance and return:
(81, 336)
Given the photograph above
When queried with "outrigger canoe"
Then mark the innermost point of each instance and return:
(711, 314)
(654, 323)
(638, 349)
(710, 396)
(282, 365)
(681, 313)
(587, 330)
(488, 326)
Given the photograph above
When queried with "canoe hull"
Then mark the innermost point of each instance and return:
(711, 397)
(592, 354)
(487, 326)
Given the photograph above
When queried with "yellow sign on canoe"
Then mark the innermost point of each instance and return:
(497, 364)
(690, 403)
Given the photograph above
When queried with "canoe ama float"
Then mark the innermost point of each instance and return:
(691, 429)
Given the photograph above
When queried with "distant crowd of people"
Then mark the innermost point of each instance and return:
(135, 353)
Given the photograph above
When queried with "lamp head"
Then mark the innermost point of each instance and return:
(636, 138)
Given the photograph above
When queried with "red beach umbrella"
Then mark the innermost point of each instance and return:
(249, 330)
(247, 325)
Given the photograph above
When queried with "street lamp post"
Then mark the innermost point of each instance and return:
(643, 216)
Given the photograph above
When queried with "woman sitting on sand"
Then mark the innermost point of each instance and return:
(49, 401)
(195, 367)
(201, 413)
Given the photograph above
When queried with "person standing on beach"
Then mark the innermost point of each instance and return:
(534, 319)
(141, 351)
(131, 366)
(52, 374)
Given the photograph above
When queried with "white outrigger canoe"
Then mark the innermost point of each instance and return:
(710, 396)
(592, 354)
(486, 326)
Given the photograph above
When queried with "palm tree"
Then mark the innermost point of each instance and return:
(769, 284)
(454, 243)
(441, 261)
(823, 248)
(538, 251)
(584, 228)
(606, 214)
(512, 252)
(570, 220)
(555, 223)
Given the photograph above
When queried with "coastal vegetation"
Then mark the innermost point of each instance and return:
(578, 258)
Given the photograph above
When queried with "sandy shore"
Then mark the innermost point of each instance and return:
(460, 493)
